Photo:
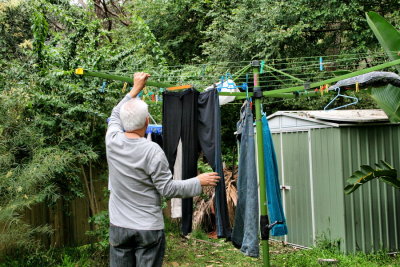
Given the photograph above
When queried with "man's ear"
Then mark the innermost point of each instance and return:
(147, 121)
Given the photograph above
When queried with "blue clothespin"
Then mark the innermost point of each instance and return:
(228, 76)
(219, 87)
(103, 87)
(262, 66)
(321, 65)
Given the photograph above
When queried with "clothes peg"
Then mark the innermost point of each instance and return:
(357, 87)
(262, 66)
(103, 87)
(321, 65)
(124, 88)
(153, 97)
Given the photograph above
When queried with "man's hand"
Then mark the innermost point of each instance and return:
(139, 82)
(208, 179)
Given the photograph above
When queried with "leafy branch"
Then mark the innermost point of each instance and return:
(384, 172)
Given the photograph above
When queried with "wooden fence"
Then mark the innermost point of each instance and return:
(69, 220)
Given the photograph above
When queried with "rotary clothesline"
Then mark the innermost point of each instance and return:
(258, 94)
(296, 72)
(284, 92)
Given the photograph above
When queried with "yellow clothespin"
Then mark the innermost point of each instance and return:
(357, 87)
(124, 88)
(145, 92)
(326, 88)
(321, 90)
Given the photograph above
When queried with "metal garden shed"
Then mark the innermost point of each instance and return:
(316, 152)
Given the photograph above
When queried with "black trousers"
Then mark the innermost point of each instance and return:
(196, 119)
(210, 142)
(180, 117)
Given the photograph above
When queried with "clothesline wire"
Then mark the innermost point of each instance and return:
(265, 71)
(216, 76)
(272, 62)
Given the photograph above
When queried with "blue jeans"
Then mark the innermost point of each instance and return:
(246, 225)
(130, 247)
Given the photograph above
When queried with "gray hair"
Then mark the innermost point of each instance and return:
(133, 114)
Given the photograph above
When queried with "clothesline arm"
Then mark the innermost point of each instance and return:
(281, 93)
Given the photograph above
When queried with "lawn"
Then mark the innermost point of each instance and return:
(200, 250)
(196, 252)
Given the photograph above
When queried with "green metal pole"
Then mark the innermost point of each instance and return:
(260, 156)
(84, 72)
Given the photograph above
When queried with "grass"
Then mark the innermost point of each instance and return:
(199, 250)
(192, 252)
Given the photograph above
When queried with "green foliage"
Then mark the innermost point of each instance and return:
(387, 35)
(40, 30)
(243, 30)
(388, 99)
(14, 29)
(178, 25)
(100, 233)
(384, 172)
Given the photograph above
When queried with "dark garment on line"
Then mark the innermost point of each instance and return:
(209, 131)
(246, 224)
(198, 117)
(156, 138)
(129, 248)
(180, 116)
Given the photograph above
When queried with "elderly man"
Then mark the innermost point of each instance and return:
(138, 176)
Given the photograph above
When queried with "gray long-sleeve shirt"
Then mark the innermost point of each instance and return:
(138, 176)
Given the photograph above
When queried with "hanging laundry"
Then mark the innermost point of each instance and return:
(194, 118)
(227, 86)
(210, 142)
(246, 225)
(275, 208)
(180, 122)
(176, 203)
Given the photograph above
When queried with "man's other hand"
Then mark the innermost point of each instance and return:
(208, 179)
(139, 82)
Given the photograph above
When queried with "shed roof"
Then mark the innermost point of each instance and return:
(305, 119)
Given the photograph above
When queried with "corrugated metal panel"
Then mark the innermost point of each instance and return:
(294, 166)
(328, 186)
(371, 213)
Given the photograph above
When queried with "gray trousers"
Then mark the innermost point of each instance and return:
(130, 247)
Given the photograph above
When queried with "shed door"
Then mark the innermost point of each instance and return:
(293, 155)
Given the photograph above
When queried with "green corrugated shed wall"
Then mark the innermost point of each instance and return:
(315, 163)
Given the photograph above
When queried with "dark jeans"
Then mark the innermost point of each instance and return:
(246, 224)
(180, 122)
(130, 247)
